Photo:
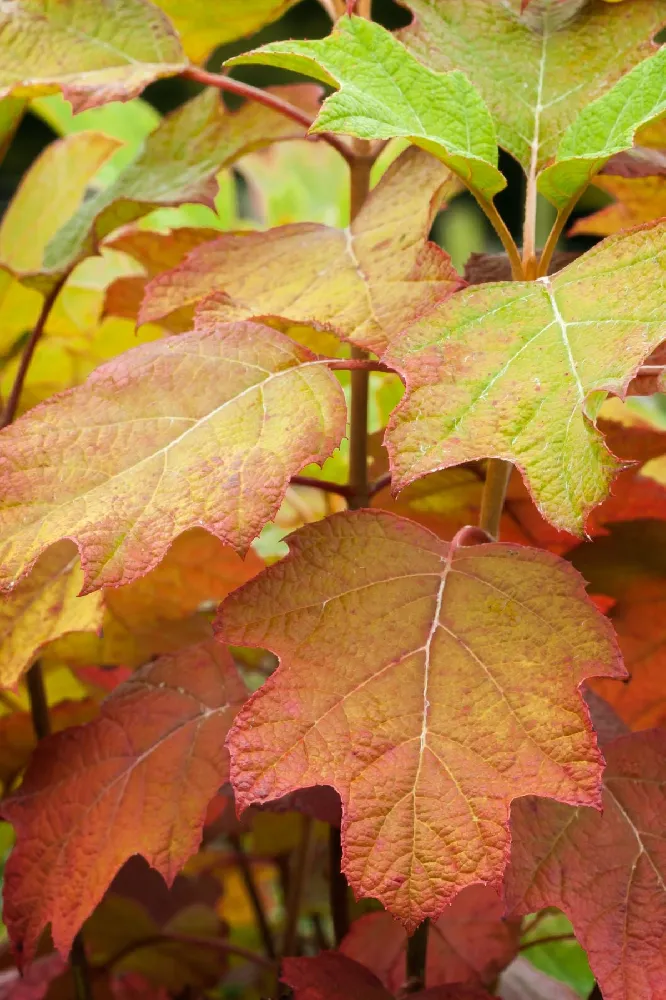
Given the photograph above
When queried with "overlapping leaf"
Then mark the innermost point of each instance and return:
(136, 780)
(202, 29)
(331, 976)
(605, 870)
(630, 567)
(365, 284)
(385, 92)
(637, 200)
(518, 371)
(94, 53)
(539, 71)
(43, 607)
(203, 429)
(470, 943)
(178, 164)
(446, 685)
(604, 128)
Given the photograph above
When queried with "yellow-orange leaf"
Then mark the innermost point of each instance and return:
(43, 607)
(203, 429)
(637, 200)
(446, 685)
(136, 780)
(365, 284)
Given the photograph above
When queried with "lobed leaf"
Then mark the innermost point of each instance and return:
(604, 128)
(92, 53)
(364, 284)
(202, 30)
(447, 684)
(136, 780)
(43, 607)
(604, 869)
(179, 163)
(203, 429)
(519, 370)
(536, 72)
(470, 943)
(384, 92)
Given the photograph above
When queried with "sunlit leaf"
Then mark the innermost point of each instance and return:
(518, 370)
(385, 92)
(365, 284)
(418, 719)
(207, 431)
(93, 54)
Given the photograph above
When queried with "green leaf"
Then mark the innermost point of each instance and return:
(11, 112)
(604, 128)
(93, 52)
(535, 71)
(386, 92)
(518, 370)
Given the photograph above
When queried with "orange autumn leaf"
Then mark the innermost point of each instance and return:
(470, 943)
(136, 780)
(447, 685)
(43, 607)
(364, 284)
(606, 870)
(202, 429)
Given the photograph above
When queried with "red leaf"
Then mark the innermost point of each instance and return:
(606, 871)
(331, 976)
(470, 943)
(136, 780)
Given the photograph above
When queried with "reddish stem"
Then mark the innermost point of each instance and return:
(215, 944)
(359, 364)
(470, 535)
(321, 484)
(266, 98)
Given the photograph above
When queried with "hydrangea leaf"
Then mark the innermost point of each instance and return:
(92, 53)
(138, 779)
(471, 942)
(365, 284)
(559, 853)
(536, 72)
(629, 565)
(637, 200)
(201, 29)
(604, 128)
(419, 719)
(43, 607)
(384, 92)
(207, 431)
(11, 113)
(67, 165)
(178, 164)
(332, 976)
(518, 371)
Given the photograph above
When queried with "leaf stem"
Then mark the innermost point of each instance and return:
(550, 939)
(301, 871)
(417, 953)
(505, 236)
(269, 100)
(80, 969)
(529, 227)
(215, 944)
(26, 359)
(320, 484)
(554, 235)
(494, 492)
(379, 484)
(255, 899)
(359, 362)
